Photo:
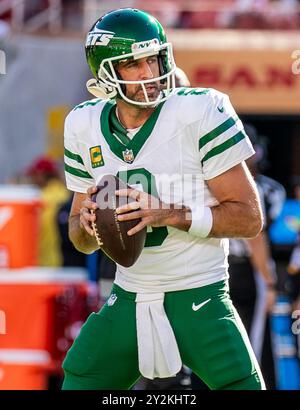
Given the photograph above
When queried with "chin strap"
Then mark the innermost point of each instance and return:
(100, 90)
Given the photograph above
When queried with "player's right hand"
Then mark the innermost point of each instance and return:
(86, 216)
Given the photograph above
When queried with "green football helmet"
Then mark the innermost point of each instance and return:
(127, 34)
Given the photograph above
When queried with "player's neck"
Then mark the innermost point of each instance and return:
(131, 116)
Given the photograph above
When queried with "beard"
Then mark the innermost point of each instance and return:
(152, 89)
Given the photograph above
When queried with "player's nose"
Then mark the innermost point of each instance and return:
(145, 70)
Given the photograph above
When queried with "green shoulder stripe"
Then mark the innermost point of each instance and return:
(86, 103)
(71, 155)
(223, 147)
(217, 131)
(193, 91)
(77, 172)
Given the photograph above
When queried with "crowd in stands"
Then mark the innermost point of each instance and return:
(242, 14)
(196, 14)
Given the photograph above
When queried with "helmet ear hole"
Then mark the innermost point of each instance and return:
(163, 64)
(161, 69)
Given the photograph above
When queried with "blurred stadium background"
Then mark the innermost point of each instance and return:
(249, 49)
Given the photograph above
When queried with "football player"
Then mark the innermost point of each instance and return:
(182, 150)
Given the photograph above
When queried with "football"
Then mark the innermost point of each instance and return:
(111, 234)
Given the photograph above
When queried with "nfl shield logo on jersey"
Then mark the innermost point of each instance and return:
(128, 156)
(113, 297)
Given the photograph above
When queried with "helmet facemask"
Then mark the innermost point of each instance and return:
(109, 84)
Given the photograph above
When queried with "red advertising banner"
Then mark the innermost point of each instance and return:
(261, 76)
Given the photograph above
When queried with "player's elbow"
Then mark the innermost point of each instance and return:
(81, 247)
(81, 241)
(255, 225)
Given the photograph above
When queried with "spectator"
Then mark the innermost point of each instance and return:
(294, 264)
(283, 14)
(44, 173)
(293, 282)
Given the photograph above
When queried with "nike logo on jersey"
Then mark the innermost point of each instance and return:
(197, 307)
(221, 109)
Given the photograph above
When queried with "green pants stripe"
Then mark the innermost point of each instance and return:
(210, 336)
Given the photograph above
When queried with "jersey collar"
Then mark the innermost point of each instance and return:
(116, 137)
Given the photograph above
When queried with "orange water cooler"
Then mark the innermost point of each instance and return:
(41, 309)
(19, 225)
(41, 312)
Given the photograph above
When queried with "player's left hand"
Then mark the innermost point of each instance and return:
(151, 210)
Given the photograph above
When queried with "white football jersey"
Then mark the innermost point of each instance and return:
(192, 137)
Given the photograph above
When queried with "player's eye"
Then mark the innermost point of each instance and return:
(152, 60)
(131, 64)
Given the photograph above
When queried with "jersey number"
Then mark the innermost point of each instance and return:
(143, 180)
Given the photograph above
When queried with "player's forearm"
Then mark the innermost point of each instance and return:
(230, 219)
(236, 220)
(82, 241)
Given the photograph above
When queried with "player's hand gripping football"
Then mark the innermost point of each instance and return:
(87, 205)
(151, 210)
